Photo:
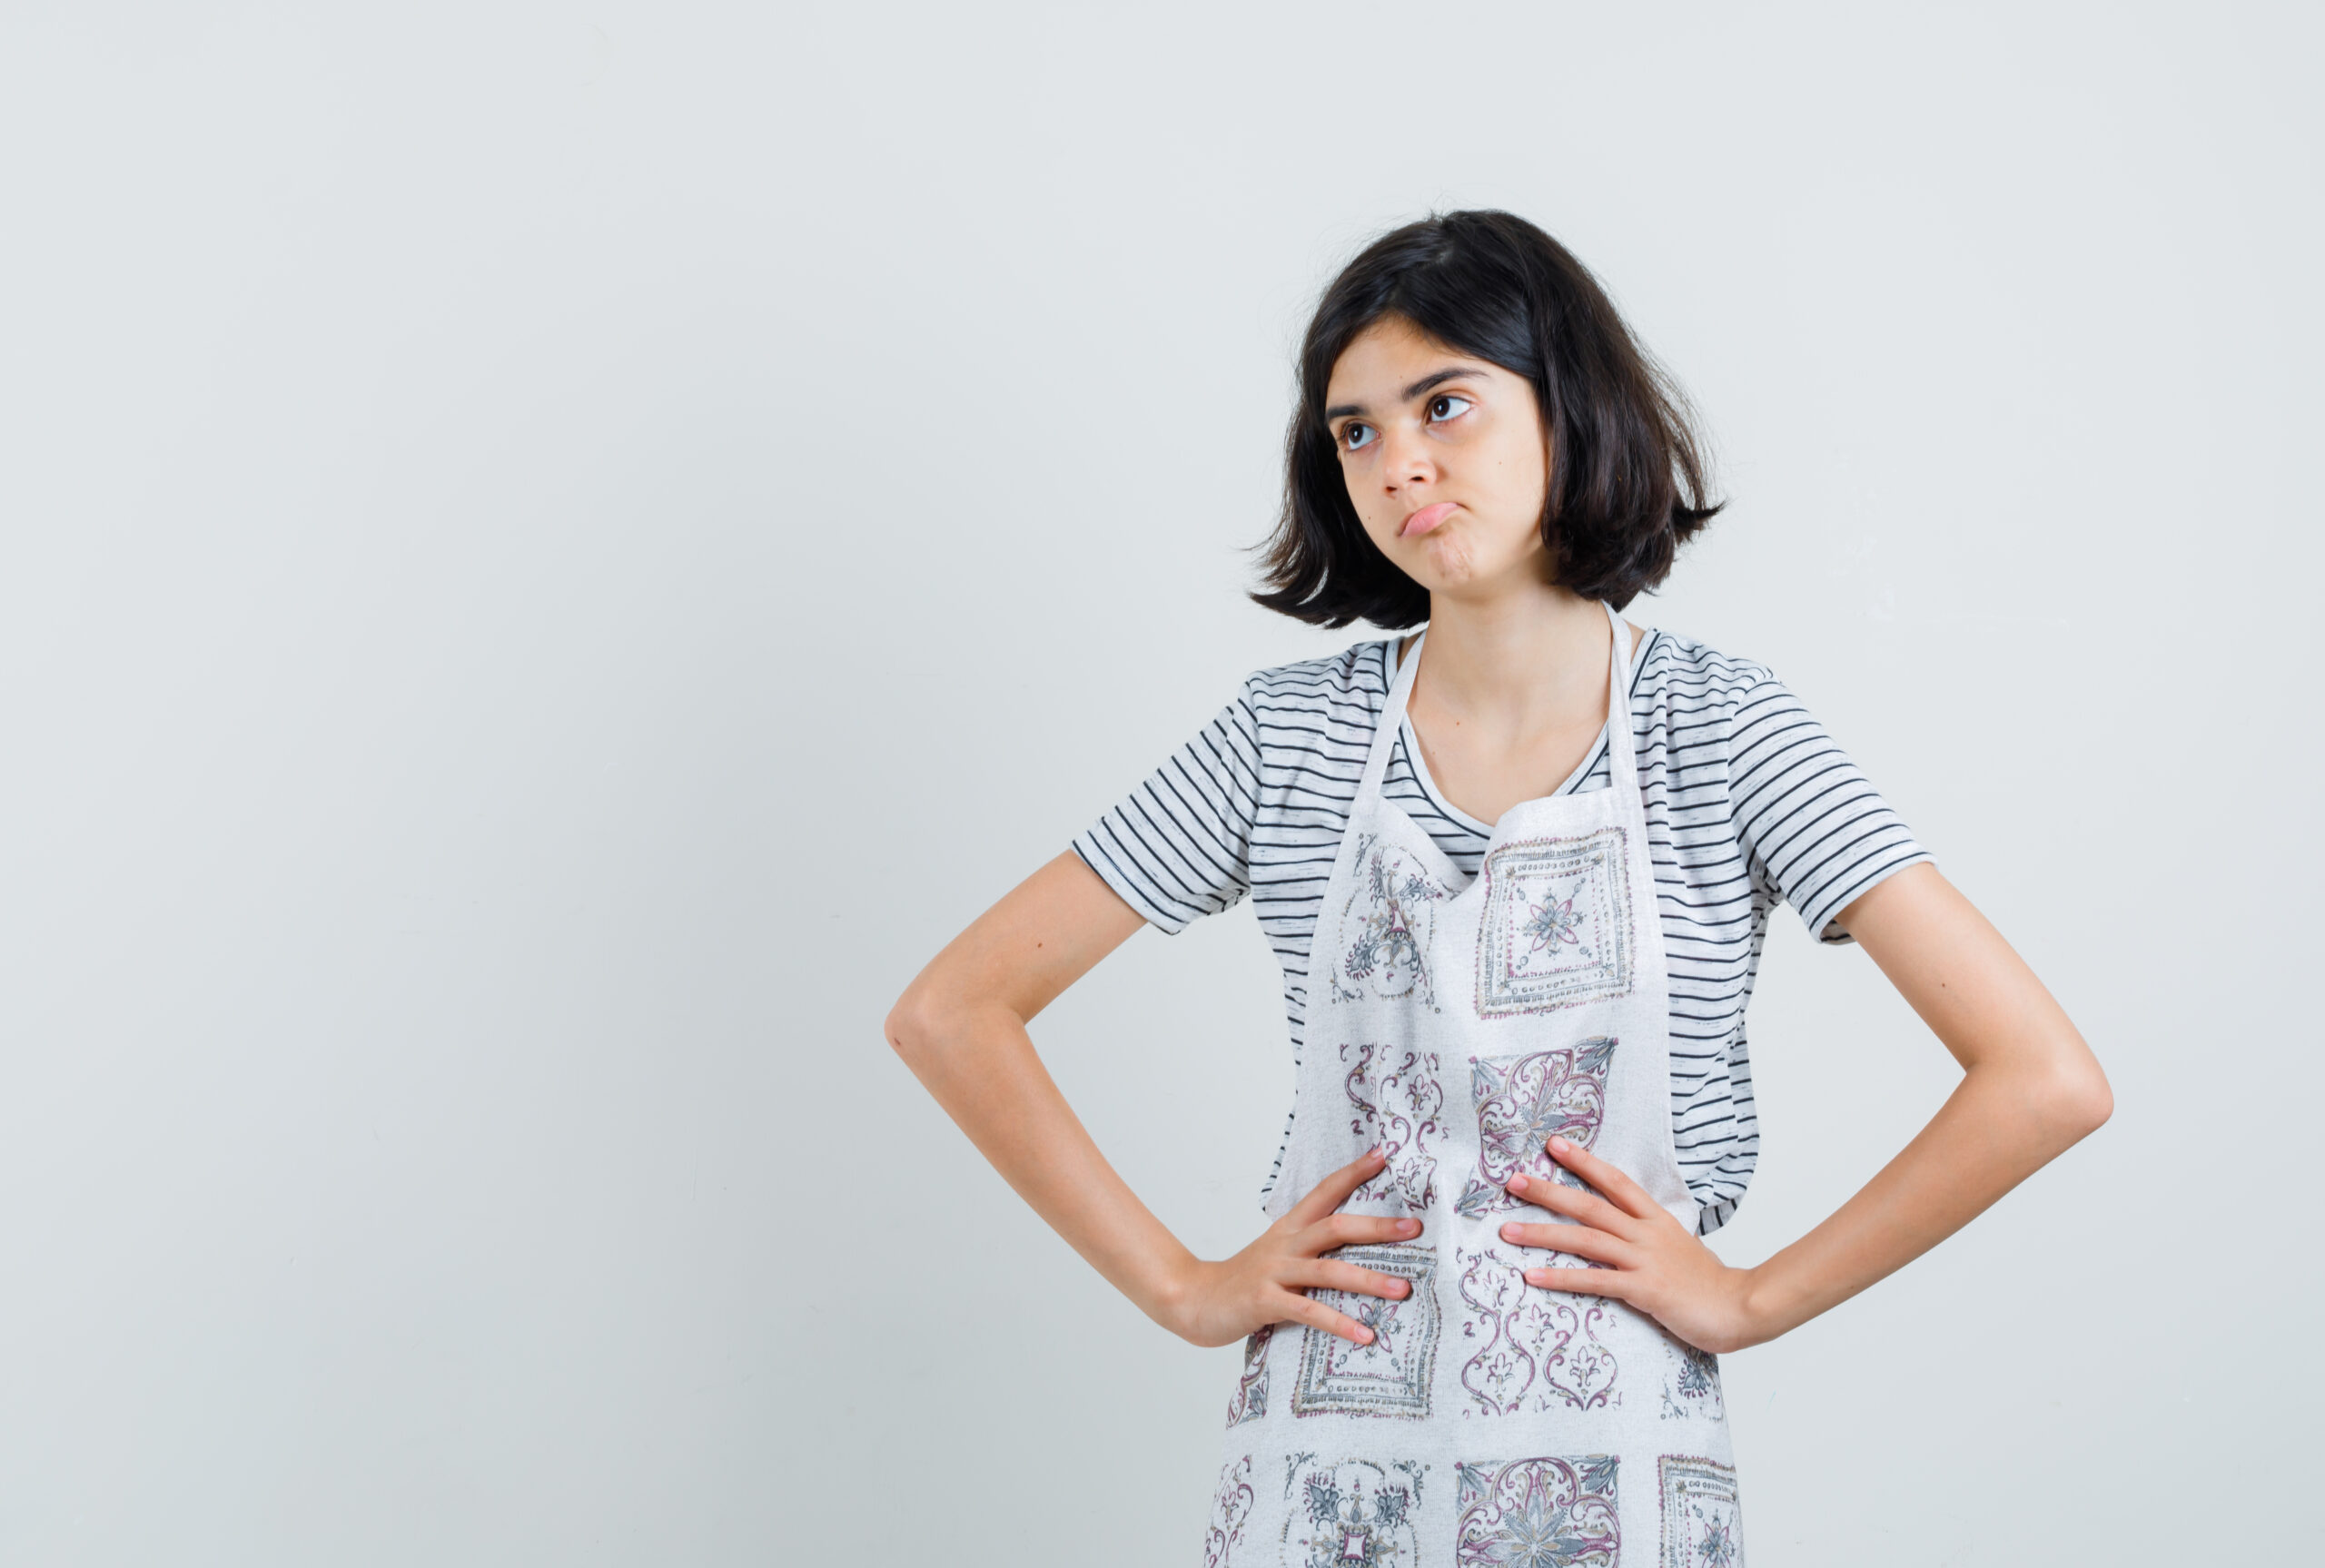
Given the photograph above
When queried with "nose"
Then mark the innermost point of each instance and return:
(1405, 460)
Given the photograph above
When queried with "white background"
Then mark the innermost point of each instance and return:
(554, 554)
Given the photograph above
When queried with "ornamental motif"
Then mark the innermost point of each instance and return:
(1691, 1384)
(1353, 1513)
(1389, 1375)
(1543, 1512)
(1701, 1526)
(1521, 1102)
(1530, 1347)
(1251, 1400)
(1384, 936)
(1398, 1103)
(1557, 924)
(1230, 1509)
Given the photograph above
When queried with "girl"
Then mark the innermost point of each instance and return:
(1518, 866)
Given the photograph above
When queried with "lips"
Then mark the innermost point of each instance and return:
(1425, 520)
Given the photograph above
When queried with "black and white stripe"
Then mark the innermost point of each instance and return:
(1750, 803)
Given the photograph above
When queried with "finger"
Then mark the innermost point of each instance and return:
(1331, 1274)
(1628, 1195)
(1333, 1190)
(1610, 1282)
(1575, 1202)
(1313, 1313)
(1346, 1229)
(1579, 1240)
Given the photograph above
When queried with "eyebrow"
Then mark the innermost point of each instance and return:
(1434, 379)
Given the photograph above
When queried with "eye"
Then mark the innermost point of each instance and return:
(1445, 406)
(1355, 436)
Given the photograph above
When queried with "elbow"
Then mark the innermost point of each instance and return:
(925, 1019)
(2079, 1101)
(941, 1017)
(912, 1023)
(2096, 1102)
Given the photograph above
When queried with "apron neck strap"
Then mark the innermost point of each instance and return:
(1392, 715)
(1622, 759)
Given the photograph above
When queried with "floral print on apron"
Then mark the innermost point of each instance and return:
(1460, 1023)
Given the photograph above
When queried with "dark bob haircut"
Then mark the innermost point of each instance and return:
(1625, 469)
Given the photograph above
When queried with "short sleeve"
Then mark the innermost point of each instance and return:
(1180, 844)
(1806, 814)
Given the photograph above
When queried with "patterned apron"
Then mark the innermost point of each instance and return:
(1459, 1022)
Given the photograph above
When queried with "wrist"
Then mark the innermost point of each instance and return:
(1170, 1296)
(1762, 1307)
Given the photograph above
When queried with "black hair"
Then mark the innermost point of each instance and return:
(1627, 470)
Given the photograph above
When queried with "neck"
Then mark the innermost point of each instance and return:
(1515, 660)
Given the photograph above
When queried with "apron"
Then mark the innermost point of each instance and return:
(1460, 1023)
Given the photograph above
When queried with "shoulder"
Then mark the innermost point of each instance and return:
(1692, 677)
(1355, 677)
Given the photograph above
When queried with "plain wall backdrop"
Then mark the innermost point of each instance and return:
(554, 554)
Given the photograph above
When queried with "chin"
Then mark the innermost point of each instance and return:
(1446, 562)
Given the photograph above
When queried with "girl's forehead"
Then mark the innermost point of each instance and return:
(1389, 338)
(1389, 353)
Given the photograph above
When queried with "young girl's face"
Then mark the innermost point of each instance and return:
(1445, 458)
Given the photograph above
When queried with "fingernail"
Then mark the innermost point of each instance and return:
(1373, 1152)
(1561, 1146)
(1364, 1336)
(1510, 1233)
(1516, 1184)
(1407, 1227)
(1534, 1275)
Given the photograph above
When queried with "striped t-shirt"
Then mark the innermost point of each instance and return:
(1750, 803)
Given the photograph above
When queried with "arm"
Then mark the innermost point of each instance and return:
(961, 1027)
(2030, 1089)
